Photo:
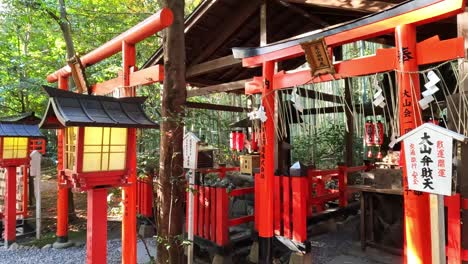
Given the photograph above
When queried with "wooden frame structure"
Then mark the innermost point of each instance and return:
(402, 20)
(129, 78)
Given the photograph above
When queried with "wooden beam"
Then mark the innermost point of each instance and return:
(319, 95)
(225, 87)
(339, 109)
(313, 18)
(146, 76)
(213, 65)
(360, 6)
(226, 108)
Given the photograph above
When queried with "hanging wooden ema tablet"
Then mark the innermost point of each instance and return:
(317, 56)
(428, 153)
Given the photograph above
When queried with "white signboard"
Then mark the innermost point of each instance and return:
(428, 157)
(190, 150)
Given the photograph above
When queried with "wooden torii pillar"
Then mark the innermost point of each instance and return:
(128, 79)
(405, 58)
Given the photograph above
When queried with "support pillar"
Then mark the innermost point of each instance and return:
(129, 223)
(417, 238)
(96, 242)
(10, 206)
(62, 194)
(267, 166)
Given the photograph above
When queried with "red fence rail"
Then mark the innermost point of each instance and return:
(145, 196)
(298, 197)
(211, 212)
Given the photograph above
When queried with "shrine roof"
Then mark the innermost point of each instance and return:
(24, 118)
(390, 13)
(9, 129)
(67, 109)
(217, 26)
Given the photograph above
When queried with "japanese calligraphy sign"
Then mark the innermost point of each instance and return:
(428, 157)
(317, 56)
(190, 148)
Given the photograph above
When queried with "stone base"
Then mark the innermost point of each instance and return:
(146, 231)
(62, 245)
(299, 258)
(253, 255)
(219, 259)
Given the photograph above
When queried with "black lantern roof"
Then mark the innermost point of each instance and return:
(9, 129)
(67, 109)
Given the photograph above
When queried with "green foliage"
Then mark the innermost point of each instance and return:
(324, 149)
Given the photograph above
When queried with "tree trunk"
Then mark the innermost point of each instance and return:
(171, 188)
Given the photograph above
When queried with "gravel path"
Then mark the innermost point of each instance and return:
(73, 255)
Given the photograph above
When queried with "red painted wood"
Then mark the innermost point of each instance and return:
(384, 60)
(206, 227)
(286, 212)
(464, 254)
(257, 188)
(141, 31)
(213, 214)
(453, 249)
(342, 185)
(196, 202)
(241, 220)
(299, 208)
(201, 210)
(96, 242)
(129, 193)
(10, 205)
(464, 203)
(62, 193)
(277, 205)
(242, 191)
(222, 211)
(267, 159)
(417, 243)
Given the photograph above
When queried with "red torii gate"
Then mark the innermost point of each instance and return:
(128, 79)
(402, 20)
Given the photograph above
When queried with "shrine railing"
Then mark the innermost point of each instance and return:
(298, 197)
(145, 196)
(211, 212)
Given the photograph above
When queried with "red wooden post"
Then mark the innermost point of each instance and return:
(201, 210)
(10, 206)
(206, 228)
(453, 229)
(213, 214)
(62, 192)
(286, 212)
(196, 199)
(96, 242)
(299, 208)
(129, 200)
(257, 201)
(277, 205)
(222, 211)
(417, 244)
(267, 167)
(342, 185)
(129, 235)
(25, 190)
